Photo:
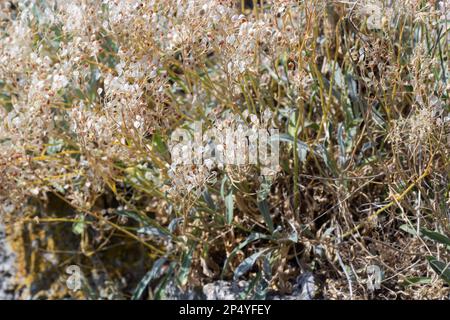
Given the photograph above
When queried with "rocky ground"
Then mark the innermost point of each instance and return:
(7, 288)
(219, 290)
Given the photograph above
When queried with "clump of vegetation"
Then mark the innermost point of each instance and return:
(91, 92)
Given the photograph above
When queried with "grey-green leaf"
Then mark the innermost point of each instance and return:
(185, 267)
(247, 264)
(78, 227)
(441, 268)
(252, 237)
(229, 204)
(209, 200)
(302, 148)
(263, 207)
(417, 280)
(228, 199)
(406, 228)
(436, 236)
(153, 273)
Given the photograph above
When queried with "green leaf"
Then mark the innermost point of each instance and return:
(185, 267)
(229, 202)
(153, 273)
(209, 200)
(55, 146)
(441, 268)
(252, 237)
(406, 228)
(159, 144)
(433, 235)
(341, 143)
(436, 236)
(160, 289)
(292, 124)
(247, 264)
(174, 224)
(5, 101)
(302, 148)
(264, 188)
(261, 288)
(416, 280)
(263, 207)
(78, 227)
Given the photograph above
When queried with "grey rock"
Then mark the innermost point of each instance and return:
(304, 289)
(174, 292)
(223, 290)
(7, 286)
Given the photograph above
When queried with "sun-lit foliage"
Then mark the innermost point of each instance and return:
(91, 91)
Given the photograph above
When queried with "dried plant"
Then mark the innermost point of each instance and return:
(91, 92)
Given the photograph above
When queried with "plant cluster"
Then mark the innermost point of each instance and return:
(91, 92)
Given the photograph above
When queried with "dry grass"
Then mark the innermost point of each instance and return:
(90, 93)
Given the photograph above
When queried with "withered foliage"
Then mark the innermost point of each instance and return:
(91, 91)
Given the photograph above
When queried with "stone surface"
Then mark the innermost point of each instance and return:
(304, 289)
(7, 287)
(223, 290)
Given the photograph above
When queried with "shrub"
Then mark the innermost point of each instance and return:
(91, 93)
